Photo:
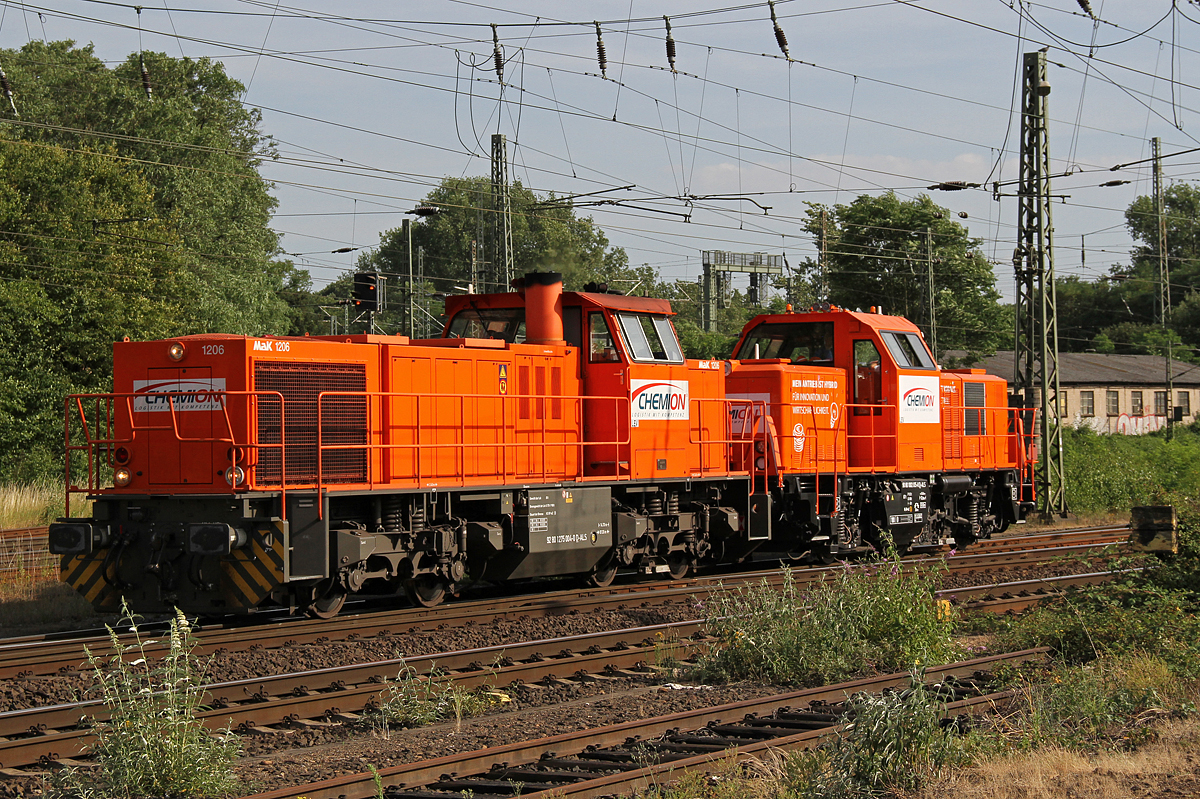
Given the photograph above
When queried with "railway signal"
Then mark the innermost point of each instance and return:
(366, 291)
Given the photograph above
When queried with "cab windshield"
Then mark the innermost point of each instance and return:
(650, 338)
(798, 342)
(506, 324)
(909, 350)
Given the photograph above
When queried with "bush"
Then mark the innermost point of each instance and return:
(872, 618)
(1116, 472)
(1103, 704)
(893, 743)
(1154, 610)
(152, 743)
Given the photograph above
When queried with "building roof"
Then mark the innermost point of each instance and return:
(1102, 369)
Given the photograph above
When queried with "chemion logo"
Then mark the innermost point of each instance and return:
(919, 398)
(182, 395)
(659, 399)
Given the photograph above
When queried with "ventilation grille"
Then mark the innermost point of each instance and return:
(974, 396)
(343, 421)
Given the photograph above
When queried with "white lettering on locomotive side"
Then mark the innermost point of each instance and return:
(659, 399)
(183, 395)
(815, 382)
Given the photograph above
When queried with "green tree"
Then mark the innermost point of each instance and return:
(70, 286)
(1085, 308)
(196, 147)
(1131, 338)
(1181, 212)
(546, 235)
(877, 253)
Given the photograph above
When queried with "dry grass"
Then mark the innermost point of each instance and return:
(31, 504)
(1169, 766)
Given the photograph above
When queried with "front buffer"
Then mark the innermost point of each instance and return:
(204, 555)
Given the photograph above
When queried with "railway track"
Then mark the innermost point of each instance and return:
(47, 655)
(342, 694)
(622, 758)
(25, 550)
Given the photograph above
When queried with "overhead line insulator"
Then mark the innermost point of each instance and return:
(601, 55)
(497, 57)
(780, 38)
(146, 79)
(670, 44)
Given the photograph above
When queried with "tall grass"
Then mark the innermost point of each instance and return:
(30, 504)
(877, 617)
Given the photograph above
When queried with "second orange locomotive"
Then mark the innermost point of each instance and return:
(543, 434)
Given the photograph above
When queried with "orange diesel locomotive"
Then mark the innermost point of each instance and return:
(543, 434)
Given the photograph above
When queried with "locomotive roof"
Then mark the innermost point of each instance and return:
(872, 320)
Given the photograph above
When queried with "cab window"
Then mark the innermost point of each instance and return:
(908, 349)
(868, 378)
(600, 341)
(798, 342)
(507, 324)
(650, 338)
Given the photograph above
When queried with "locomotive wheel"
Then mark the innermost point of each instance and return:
(679, 564)
(426, 590)
(330, 596)
(603, 574)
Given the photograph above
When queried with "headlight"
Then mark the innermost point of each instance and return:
(122, 456)
(235, 475)
(122, 477)
(176, 351)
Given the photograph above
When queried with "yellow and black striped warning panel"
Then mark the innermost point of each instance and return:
(252, 572)
(85, 573)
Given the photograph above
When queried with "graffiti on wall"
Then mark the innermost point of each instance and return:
(1124, 424)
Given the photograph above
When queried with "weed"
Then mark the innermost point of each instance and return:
(377, 779)
(893, 743)
(666, 651)
(152, 743)
(725, 779)
(1121, 618)
(877, 617)
(415, 700)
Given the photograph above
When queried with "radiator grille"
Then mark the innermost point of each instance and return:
(975, 396)
(343, 421)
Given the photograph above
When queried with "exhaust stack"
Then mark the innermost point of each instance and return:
(543, 308)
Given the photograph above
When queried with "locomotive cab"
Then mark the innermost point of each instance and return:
(904, 457)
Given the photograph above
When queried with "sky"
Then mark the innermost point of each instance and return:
(370, 107)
